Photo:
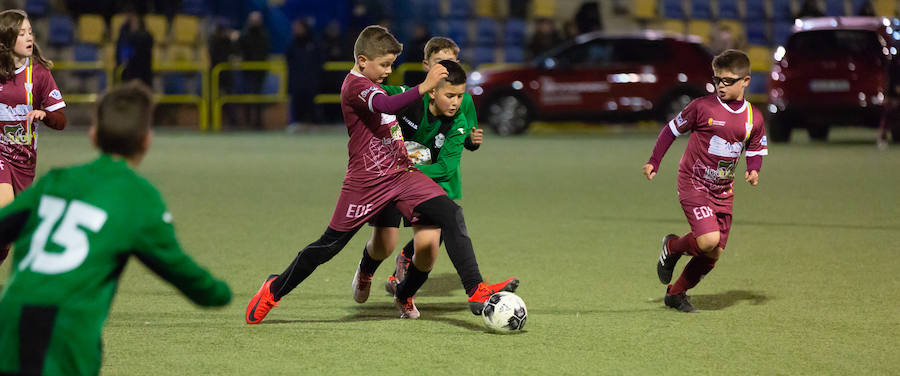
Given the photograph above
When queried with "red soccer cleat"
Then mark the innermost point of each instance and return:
(362, 282)
(407, 308)
(481, 295)
(261, 303)
(391, 285)
(509, 285)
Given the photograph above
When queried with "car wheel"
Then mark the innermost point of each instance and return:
(674, 102)
(508, 115)
(818, 132)
(780, 128)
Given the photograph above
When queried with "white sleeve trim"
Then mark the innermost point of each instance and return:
(673, 128)
(374, 92)
(55, 106)
(751, 153)
(388, 118)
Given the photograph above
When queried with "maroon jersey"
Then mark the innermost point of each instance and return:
(379, 171)
(16, 145)
(376, 145)
(718, 136)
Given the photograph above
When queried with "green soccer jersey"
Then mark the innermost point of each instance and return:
(445, 137)
(73, 232)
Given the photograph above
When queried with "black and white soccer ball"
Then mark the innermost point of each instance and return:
(505, 311)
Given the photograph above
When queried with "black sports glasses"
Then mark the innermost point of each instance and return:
(728, 81)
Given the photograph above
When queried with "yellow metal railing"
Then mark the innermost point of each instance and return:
(217, 99)
(84, 66)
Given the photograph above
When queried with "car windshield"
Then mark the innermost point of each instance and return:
(822, 42)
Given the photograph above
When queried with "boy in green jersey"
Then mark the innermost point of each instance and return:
(434, 131)
(73, 232)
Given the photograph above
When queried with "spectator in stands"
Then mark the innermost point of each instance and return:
(866, 9)
(545, 37)
(588, 17)
(333, 46)
(722, 38)
(810, 8)
(254, 46)
(134, 50)
(415, 48)
(304, 67)
(222, 49)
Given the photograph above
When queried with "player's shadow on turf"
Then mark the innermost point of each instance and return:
(715, 302)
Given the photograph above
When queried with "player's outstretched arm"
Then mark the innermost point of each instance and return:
(649, 171)
(751, 177)
(160, 251)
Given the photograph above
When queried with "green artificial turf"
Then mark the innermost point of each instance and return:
(808, 283)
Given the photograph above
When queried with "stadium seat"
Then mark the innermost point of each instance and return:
(458, 30)
(514, 54)
(185, 29)
(701, 9)
(835, 8)
(759, 82)
(270, 84)
(543, 8)
(485, 8)
(85, 52)
(737, 29)
(181, 52)
(700, 28)
(37, 8)
(728, 9)
(885, 8)
(62, 31)
(486, 30)
(643, 9)
(174, 83)
(482, 55)
(91, 28)
(782, 31)
(755, 11)
(756, 33)
(673, 9)
(782, 10)
(115, 25)
(157, 27)
(673, 26)
(514, 32)
(460, 9)
(760, 58)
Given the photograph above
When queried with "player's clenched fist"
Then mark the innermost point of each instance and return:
(648, 171)
(435, 75)
(752, 177)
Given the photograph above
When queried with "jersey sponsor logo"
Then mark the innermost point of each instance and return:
(679, 120)
(719, 147)
(718, 123)
(396, 132)
(701, 212)
(763, 141)
(358, 210)
(411, 123)
(439, 141)
(55, 94)
(461, 131)
(364, 95)
(14, 135)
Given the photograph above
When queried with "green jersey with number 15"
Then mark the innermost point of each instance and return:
(73, 232)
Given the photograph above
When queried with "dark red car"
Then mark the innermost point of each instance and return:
(598, 75)
(834, 71)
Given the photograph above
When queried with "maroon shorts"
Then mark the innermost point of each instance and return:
(358, 205)
(19, 178)
(706, 213)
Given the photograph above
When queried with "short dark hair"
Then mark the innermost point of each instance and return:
(376, 41)
(123, 119)
(437, 44)
(735, 61)
(455, 73)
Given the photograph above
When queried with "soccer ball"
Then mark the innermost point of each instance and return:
(505, 311)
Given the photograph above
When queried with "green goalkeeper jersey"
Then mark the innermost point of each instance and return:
(73, 231)
(443, 136)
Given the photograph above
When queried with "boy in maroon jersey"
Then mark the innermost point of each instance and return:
(379, 173)
(722, 126)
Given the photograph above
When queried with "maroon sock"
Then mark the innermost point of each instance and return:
(695, 270)
(685, 244)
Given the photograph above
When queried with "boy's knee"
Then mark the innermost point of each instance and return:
(708, 243)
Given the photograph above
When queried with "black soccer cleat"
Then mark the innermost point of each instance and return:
(679, 301)
(666, 264)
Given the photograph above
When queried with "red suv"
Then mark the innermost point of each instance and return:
(834, 71)
(646, 74)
